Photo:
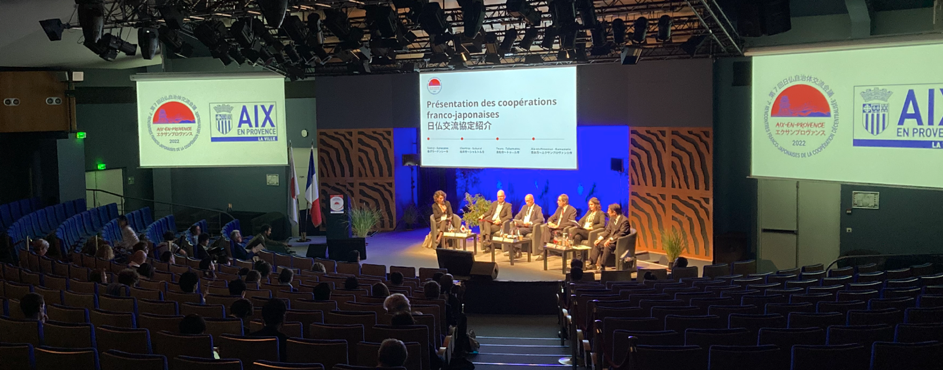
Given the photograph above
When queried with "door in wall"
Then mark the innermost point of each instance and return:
(111, 181)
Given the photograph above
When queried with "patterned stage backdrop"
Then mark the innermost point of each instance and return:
(359, 163)
(671, 175)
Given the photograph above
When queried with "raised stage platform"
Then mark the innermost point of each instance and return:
(404, 248)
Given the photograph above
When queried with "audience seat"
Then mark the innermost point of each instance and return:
(118, 360)
(328, 352)
(204, 363)
(248, 349)
(18, 356)
(128, 340)
(52, 358)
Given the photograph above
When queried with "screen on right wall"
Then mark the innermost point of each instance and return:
(859, 116)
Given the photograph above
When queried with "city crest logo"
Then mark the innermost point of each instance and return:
(435, 86)
(874, 110)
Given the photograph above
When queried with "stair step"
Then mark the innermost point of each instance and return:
(527, 348)
(516, 340)
(511, 366)
(516, 358)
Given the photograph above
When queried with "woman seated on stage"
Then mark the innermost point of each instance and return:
(442, 212)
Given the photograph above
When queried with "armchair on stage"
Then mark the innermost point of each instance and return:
(533, 239)
(625, 246)
(433, 225)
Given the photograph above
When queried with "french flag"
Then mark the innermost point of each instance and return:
(311, 191)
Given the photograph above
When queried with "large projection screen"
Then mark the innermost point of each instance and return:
(187, 120)
(860, 116)
(511, 118)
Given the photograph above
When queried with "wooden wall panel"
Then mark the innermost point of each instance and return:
(359, 163)
(671, 176)
(33, 114)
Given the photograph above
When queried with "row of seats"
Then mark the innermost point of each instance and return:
(138, 220)
(74, 230)
(592, 313)
(155, 230)
(41, 222)
(13, 211)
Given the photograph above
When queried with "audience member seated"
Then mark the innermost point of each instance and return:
(128, 236)
(192, 324)
(195, 232)
(252, 252)
(126, 278)
(105, 252)
(681, 262)
(169, 245)
(33, 306)
(243, 272)
(392, 353)
(238, 249)
(188, 282)
(98, 276)
(224, 261)
(208, 267)
(273, 316)
(406, 319)
(140, 246)
(264, 268)
(396, 278)
(41, 247)
(91, 247)
(353, 256)
(379, 290)
(146, 270)
(253, 279)
(445, 283)
(322, 292)
(397, 303)
(242, 309)
(285, 278)
(168, 257)
(431, 290)
(351, 283)
(576, 273)
(137, 259)
(318, 267)
(437, 276)
(237, 288)
(265, 239)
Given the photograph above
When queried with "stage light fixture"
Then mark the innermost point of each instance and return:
(533, 59)
(473, 16)
(174, 43)
(258, 28)
(236, 55)
(579, 54)
(147, 38)
(664, 28)
(600, 44)
(562, 13)
(337, 22)
(383, 19)
(524, 11)
(314, 30)
(53, 28)
(563, 54)
(618, 31)
(110, 45)
(568, 36)
(273, 11)
(241, 31)
(508, 42)
(173, 14)
(295, 28)
(432, 19)
(630, 55)
(530, 34)
(491, 48)
(550, 34)
(640, 30)
(587, 13)
(693, 43)
(212, 34)
(92, 19)
(292, 54)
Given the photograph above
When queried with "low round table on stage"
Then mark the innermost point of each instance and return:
(514, 243)
(564, 250)
(462, 237)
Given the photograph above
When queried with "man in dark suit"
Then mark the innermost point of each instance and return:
(492, 221)
(529, 215)
(594, 219)
(565, 216)
(605, 244)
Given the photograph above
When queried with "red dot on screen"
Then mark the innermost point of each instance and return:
(533, 138)
(497, 138)
(427, 138)
(462, 138)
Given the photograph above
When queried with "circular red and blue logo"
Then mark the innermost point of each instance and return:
(174, 123)
(801, 116)
(434, 86)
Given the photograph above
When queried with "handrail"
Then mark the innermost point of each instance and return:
(842, 258)
(171, 204)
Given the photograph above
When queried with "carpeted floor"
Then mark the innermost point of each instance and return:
(511, 342)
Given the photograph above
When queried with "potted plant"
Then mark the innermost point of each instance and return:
(675, 242)
(475, 207)
(364, 219)
(410, 215)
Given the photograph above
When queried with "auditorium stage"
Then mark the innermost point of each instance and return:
(404, 248)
